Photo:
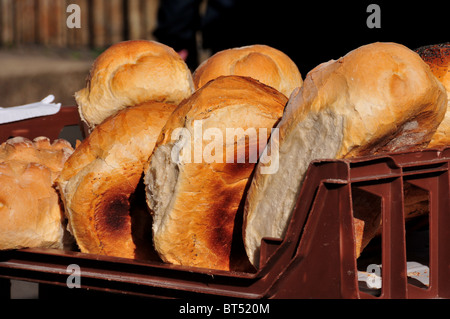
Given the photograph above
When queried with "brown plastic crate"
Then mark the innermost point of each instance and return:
(50, 126)
(316, 259)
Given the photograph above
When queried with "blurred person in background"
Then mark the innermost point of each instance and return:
(179, 21)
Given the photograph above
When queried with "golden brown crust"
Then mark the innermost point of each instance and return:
(103, 173)
(130, 73)
(438, 59)
(30, 212)
(261, 62)
(40, 150)
(196, 204)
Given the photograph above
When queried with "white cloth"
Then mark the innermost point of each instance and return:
(22, 112)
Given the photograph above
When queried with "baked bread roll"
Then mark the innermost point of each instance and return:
(130, 73)
(30, 211)
(261, 62)
(438, 58)
(198, 173)
(101, 176)
(378, 98)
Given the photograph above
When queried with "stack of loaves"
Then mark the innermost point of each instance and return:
(196, 168)
(138, 96)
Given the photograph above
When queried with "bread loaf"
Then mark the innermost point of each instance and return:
(30, 211)
(99, 179)
(130, 73)
(261, 62)
(438, 58)
(198, 173)
(380, 97)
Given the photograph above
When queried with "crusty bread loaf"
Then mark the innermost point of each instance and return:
(194, 190)
(30, 211)
(261, 62)
(438, 58)
(130, 73)
(40, 150)
(380, 97)
(104, 171)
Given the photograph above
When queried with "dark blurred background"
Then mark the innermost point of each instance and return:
(311, 32)
(40, 55)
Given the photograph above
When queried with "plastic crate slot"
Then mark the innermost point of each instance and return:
(415, 158)
(437, 187)
(376, 167)
(417, 207)
(428, 167)
(268, 248)
(367, 220)
(393, 259)
(71, 133)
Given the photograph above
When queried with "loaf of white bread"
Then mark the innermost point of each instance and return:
(438, 59)
(130, 73)
(98, 181)
(260, 62)
(30, 211)
(381, 97)
(199, 171)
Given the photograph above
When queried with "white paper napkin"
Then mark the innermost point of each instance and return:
(22, 112)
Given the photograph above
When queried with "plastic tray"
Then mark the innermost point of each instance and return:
(316, 259)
